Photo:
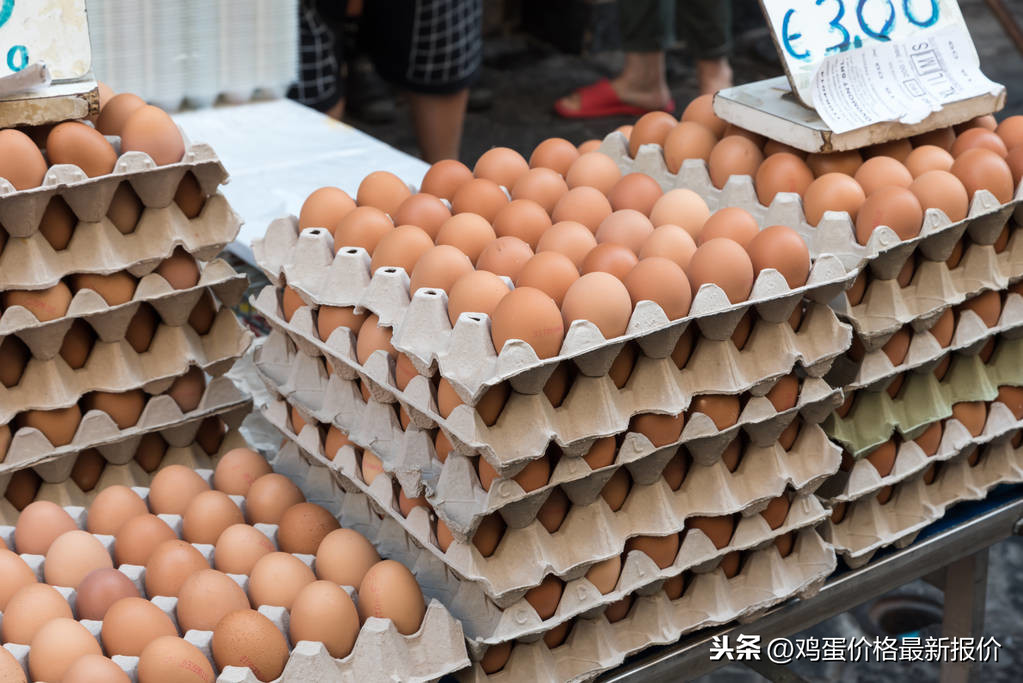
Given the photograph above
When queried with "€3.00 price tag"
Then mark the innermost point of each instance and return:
(55, 32)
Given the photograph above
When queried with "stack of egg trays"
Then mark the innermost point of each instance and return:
(593, 409)
(28, 262)
(436, 649)
(594, 644)
(885, 252)
(866, 525)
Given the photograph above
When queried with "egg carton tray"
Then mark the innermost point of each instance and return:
(110, 322)
(452, 485)
(116, 366)
(886, 306)
(595, 645)
(484, 621)
(593, 408)
(869, 526)
(875, 371)
(885, 253)
(436, 649)
(30, 448)
(528, 552)
(465, 354)
(89, 198)
(99, 247)
(923, 399)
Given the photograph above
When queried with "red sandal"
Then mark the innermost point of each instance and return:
(600, 100)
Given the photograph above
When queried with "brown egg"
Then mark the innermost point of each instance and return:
(701, 110)
(784, 393)
(847, 163)
(941, 190)
(489, 406)
(56, 645)
(72, 142)
(651, 129)
(363, 227)
(732, 455)
(982, 168)
(75, 350)
(39, 524)
(532, 316)
(636, 191)
(558, 384)
(16, 575)
(442, 446)
(502, 165)
(424, 211)
(269, 497)
(124, 408)
(58, 426)
(22, 163)
(616, 490)
(553, 512)
(5, 442)
(783, 249)
(883, 458)
(324, 208)
(688, 140)
(138, 537)
(586, 205)
(545, 597)
(683, 208)
(116, 111)
(372, 338)
(200, 319)
(371, 467)
(180, 270)
(627, 227)
(734, 155)
(755, 138)
(897, 346)
(615, 259)
(57, 224)
(480, 196)
(496, 656)
(896, 207)
(94, 668)
(116, 288)
(277, 578)
(475, 292)
(88, 467)
(71, 556)
(593, 169)
(44, 304)
(149, 129)
(206, 597)
(303, 526)
(928, 158)
(489, 534)
(776, 511)
(329, 318)
(444, 178)
(248, 639)
(12, 671)
(324, 613)
(882, 172)
(28, 609)
(169, 659)
(384, 190)
(722, 409)
(533, 476)
(1010, 130)
(210, 434)
(943, 328)
(941, 137)
(972, 415)
(724, 263)
(782, 172)
(661, 430)
(661, 549)
(237, 469)
(344, 556)
(438, 268)
(554, 153)
(131, 624)
(978, 138)
(112, 507)
(896, 149)
(524, 219)
(718, 529)
(100, 589)
(401, 247)
(390, 591)
(467, 232)
(208, 515)
(550, 272)
(173, 488)
(170, 564)
(732, 223)
(239, 547)
(670, 242)
(600, 298)
(541, 185)
(406, 504)
(659, 280)
(987, 306)
(125, 209)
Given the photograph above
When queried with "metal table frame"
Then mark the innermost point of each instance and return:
(954, 559)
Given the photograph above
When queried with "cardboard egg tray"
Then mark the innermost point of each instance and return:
(116, 366)
(30, 448)
(875, 371)
(923, 399)
(436, 649)
(110, 322)
(594, 406)
(465, 354)
(99, 247)
(595, 644)
(869, 526)
(452, 485)
(89, 198)
(886, 306)
(528, 552)
(885, 252)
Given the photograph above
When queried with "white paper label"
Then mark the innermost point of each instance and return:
(52, 31)
(904, 80)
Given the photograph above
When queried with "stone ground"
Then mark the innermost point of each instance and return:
(526, 77)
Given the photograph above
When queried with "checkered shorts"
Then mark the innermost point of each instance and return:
(319, 82)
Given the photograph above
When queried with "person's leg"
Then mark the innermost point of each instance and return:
(706, 26)
(438, 122)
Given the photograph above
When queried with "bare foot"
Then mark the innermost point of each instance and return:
(655, 99)
(714, 75)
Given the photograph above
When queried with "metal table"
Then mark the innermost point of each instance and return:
(951, 554)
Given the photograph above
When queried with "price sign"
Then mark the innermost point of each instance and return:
(808, 32)
(55, 32)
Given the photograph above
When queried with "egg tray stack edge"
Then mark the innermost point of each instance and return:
(594, 645)
(453, 487)
(436, 649)
(885, 253)
(465, 355)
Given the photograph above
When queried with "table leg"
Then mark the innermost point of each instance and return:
(965, 597)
